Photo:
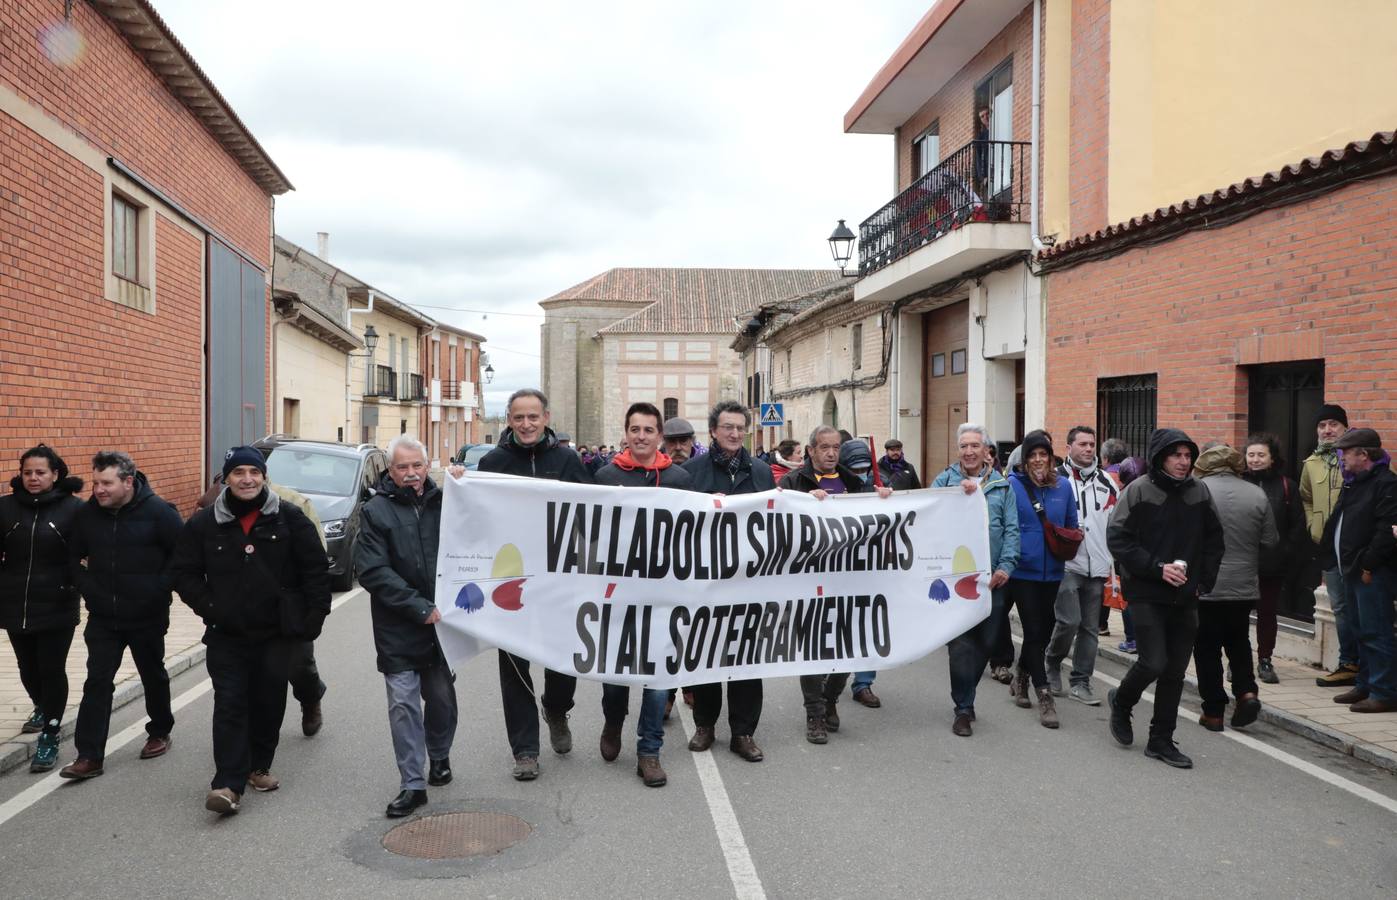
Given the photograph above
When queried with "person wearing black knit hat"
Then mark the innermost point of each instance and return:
(1321, 482)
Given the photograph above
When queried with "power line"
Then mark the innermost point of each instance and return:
(484, 312)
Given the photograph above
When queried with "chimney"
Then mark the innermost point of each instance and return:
(322, 245)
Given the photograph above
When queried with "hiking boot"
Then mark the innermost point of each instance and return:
(1083, 693)
(1001, 674)
(525, 768)
(815, 731)
(559, 734)
(610, 741)
(45, 753)
(867, 698)
(34, 724)
(1246, 710)
(961, 726)
(223, 801)
(1267, 672)
(81, 769)
(1352, 695)
(648, 768)
(311, 719)
(1163, 749)
(263, 781)
(1018, 689)
(1212, 723)
(156, 745)
(744, 746)
(1121, 728)
(702, 739)
(1047, 709)
(1345, 675)
(1128, 647)
(1374, 705)
(1055, 681)
(439, 771)
(831, 716)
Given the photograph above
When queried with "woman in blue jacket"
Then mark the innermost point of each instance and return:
(1033, 584)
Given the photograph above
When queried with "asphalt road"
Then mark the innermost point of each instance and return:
(894, 806)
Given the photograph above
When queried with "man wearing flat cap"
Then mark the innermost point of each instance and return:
(1359, 541)
(896, 469)
(679, 440)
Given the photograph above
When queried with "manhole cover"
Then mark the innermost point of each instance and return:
(457, 835)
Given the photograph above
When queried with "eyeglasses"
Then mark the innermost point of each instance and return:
(734, 429)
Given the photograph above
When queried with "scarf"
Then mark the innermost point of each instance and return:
(894, 466)
(240, 508)
(732, 463)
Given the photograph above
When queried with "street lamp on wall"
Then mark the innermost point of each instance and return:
(841, 245)
(370, 340)
(489, 373)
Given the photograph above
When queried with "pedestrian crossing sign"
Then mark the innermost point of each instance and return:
(773, 415)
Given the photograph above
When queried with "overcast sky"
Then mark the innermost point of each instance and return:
(482, 156)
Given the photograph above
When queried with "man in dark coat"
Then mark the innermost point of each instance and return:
(396, 558)
(126, 535)
(896, 469)
(529, 448)
(252, 567)
(728, 469)
(1167, 541)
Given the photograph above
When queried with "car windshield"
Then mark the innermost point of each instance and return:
(476, 453)
(312, 472)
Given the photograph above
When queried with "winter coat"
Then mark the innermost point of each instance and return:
(272, 581)
(1035, 562)
(622, 471)
(1096, 494)
(544, 459)
(1288, 513)
(36, 583)
(396, 558)
(1363, 517)
(1158, 520)
(1321, 480)
(712, 477)
(1248, 528)
(805, 480)
(126, 580)
(1004, 514)
(903, 478)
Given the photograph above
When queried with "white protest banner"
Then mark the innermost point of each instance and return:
(658, 587)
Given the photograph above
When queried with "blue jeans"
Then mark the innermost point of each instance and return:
(970, 652)
(861, 681)
(1373, 603)
(1129, 624)
(1345, 616)
(649, 726)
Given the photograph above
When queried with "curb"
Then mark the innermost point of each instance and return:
(15, 753)
(1320, 734)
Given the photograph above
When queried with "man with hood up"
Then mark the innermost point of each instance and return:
(528, 447)
(1167, 540)
(1224, 613)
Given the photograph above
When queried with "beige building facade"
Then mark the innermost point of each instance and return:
(452, 362)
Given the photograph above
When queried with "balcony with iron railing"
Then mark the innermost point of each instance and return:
(382, 383)
(451, 390)
(413, 388)
(974, 205)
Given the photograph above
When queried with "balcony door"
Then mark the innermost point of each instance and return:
(996, 94)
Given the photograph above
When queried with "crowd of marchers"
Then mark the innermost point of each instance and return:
(1189, 541)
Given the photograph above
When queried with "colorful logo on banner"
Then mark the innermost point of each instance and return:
(968, 586)
(507, 574)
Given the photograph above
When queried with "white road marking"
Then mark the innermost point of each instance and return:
(47, 785)
(743, 874)
(1363, 793)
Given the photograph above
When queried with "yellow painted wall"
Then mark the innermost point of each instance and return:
(311, 371)
(1205, 93)
(1056, 118)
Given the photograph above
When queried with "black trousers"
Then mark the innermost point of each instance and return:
(1164, 636)
(106, 643)
(1001, 635)
(43, 658)
(1224, 626)
(249, 701)
(1037, 604)
(520, 711)
(818, 690)
(306, 685)
(744, 705)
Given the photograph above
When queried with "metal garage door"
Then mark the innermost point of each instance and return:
(236, 345)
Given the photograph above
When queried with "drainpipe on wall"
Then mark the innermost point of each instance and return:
(1037, 106)
(894, 399)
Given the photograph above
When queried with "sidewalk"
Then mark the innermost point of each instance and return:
(1298, 705)
(182, 650)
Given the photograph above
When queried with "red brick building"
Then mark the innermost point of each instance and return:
(135, 240)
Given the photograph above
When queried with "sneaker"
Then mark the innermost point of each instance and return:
(559, 734)
(831, 716)
(525, 768)
(81, 769)
(45, 753)
(1082, 693)
(648, 768)
(1127, 647)
(1164, 750)
(1121, 728)
(1267, 672)
(1055, 681)
(223, 801)
(34, 724)
(263, 781)
(1345, 675)
(815, 731)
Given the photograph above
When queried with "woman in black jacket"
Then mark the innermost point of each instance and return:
(1279, 568)
(38, 603)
